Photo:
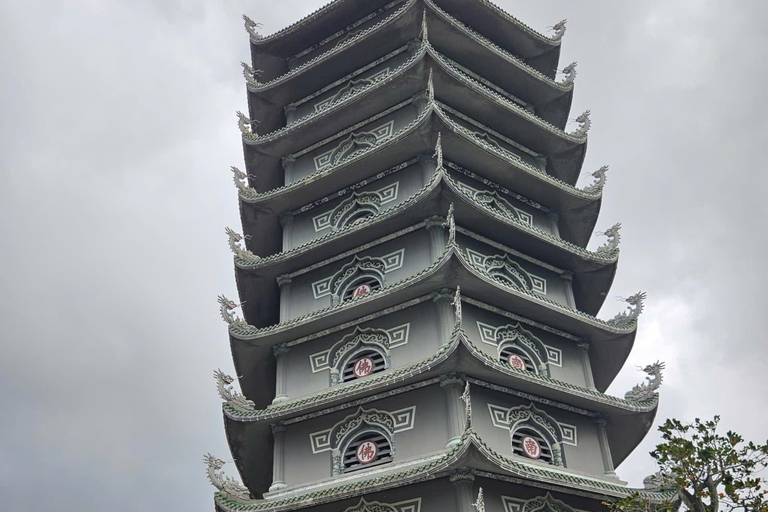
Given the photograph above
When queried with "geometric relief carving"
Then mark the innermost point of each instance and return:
(545, 503)
(555, 356)
(569, 434)
(371, 201)
(398, 336)
(402, 420)
(389, 262)
(351, 87)
(500, 419)
(376, 506)
(494, 201)
(509, 270)
(352, 144)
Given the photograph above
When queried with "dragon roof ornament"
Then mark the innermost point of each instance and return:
(570, 74)
(251, 26)
(246, 125)
(612, 245)
(597, 186)
(229, 395)
(634, 309)
(227, 486)
(479, 503)
(647, 390)
(226, 311)
(251, 75)
(240, 253)
(660, 481)
(559, 29)
(241, 182)
(585, 122)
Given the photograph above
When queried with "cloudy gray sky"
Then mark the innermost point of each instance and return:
(117, 131)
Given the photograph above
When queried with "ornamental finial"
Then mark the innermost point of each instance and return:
(251, 27)
(647, 389)
(457, 307)
(229, 395)
(559, 29)
(424, 32)
(634, 309)
(226, 485)
(612, 245)
(251, 75)
(570, 74)
(439, 150)
(226, 308)
(240, 253)
(479, 504)
(431, 87)
(585, 123)
(246, 125)
(241, 182)
(451, 223)
(597, 186)
(467, 407)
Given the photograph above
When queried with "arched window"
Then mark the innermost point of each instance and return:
(358, 278)
(535, 435)
(359, 355)
(522, 350)
(362, 440)
(356, 208)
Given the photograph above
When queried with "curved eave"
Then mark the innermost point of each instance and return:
(609, 344)
(452, 88)
(593, 275)
(540, 51)
(471, 452)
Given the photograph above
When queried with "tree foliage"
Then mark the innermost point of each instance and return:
(704, 471)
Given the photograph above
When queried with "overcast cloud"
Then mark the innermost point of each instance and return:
(118, 130)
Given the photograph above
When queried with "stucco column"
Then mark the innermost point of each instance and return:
(428, 165)
(567, 278)
(453, 384)
(605, 448)
(436, 229)
(463, 482)
(586, 365)
(554, 219)
(278, 457)
(286, 221)
(290, 113)
(284, 282)
(279, 352)
(445, 317)
(288, 163)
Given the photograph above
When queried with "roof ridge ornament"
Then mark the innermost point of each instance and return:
(570, 74)
(251, 75)
(241, 182)
(240, 253)
(479, 503)
(226, 311)
(424, 31)
(465, 397)
(597, 186)
(246, 125)
(614, 237)
(229, 395)
(581, 131)
(634, 309)
(450, 221)
(647, 390)
(457, 308)
(228, 486)
(431, 87)
(439, 150)
(251, 26)
(559, 29)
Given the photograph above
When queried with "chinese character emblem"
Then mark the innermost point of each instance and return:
(366, 452)
(515, 361)
(361, 290)
(531, 447)
(363, 367)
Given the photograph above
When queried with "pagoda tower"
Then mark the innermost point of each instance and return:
(417, 329)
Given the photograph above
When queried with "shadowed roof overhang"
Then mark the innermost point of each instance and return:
(250, 438)
(258, 289)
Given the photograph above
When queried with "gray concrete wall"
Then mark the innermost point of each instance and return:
(304, 377)
(570, 369)
(429, 434)
(305, 164)
(309, 225)
(585, 457)
(555, 288)
(415, 258)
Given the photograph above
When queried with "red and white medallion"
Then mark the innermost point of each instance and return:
(366, 452)
(361, 290)
(363, 367)
(531, 447)
(516, 361)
